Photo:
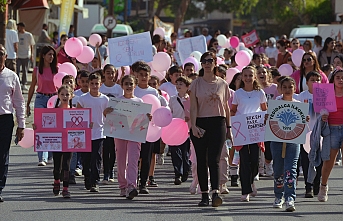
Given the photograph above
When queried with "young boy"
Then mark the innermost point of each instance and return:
(174, 73)
(257, 60)
(83, 83)
(188, 68)
(307, 97)
(142, 72)
(98, 103)
(180, 153)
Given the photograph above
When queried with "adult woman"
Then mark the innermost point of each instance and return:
(43, 76)
(337, 63)
(307, 46)
(295, 44)
(213, 44)
(61, 53)
(308, 63)
(327, 54)
(339, 47)
(284, 54)
(210, 119)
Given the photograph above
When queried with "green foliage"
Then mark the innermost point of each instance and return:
(3, 5)
(234, 6)
(322, 13)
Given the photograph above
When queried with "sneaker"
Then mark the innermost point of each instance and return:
(66, 194)
(257, 177)
(193, 189)
(278, 203)
(72, 179)
(245, 198)
(224, 189)
(309, 194)
(216, 200)
(152, 183)
(104, 181)
(1, 199)
(88, 185)
(234, 180)
(177, 181)
(41, 163)
(111, 180)
(290, 205)
(261, 171)
(50, 161)
(338, 162)
(56, 189)
(323, 193)
(143, 190)
(131, 192)
(269, 169)
(254, 190)
(160, 159)
(94, 188)
(122, 192)
(301, 172)
(78, 172)
(205, 200)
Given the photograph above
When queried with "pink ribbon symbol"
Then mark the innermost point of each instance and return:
(76, 121)
(112, 128)
(137, 121)
(238, 130)
(248, 40)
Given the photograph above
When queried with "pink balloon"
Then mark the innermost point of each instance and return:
(230, 73)
(58, 79)
(165, 95)
(160, 31)
(73, 47)
(192, 60)
(162, 117)
(154, 133)
(86, 56)
(28, 139)
(227, 44)
(83, 40)
(240, 68)
(153, 100)
(285, 70)
(68, 68)
(94, 39)
(297, 56)
(161, 61)
(220, 61)
(52, 101)
(234, 41)
(243, 58)
(160, 74)
(176, 133)
(126, 71)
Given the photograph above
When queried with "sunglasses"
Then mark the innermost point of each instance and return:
(210, 61)
(307, 59)
(2, 53)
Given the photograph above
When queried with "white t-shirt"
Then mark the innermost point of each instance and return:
(25, 41)
(248, 102)
(307, 97)
(140, 92)
(11, 38)
(170, 88)
(79, 92)
(97, 105)
(272, 52)
(115, 91)
(316, 49)
(136, 99)
(295, 96)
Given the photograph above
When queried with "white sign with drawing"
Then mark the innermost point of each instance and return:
(187, 45)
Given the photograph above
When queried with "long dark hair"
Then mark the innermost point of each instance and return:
(70, 90)
(53, 64)
(201, 72)
(316, 66)
(327, 41)
(232, 84)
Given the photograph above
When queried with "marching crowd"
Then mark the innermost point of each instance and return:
(208, 154)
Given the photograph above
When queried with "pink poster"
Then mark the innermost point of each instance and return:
(324, 97)
(62, 130)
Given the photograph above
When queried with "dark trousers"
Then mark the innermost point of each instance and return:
(6, 128)
(146, 154)
(248, 166)
(305, 164)
(91, 162)
(267, 152)
(108, 155)
(180, 158)
(62, 159)
(208, 149)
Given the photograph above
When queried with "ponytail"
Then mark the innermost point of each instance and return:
(57, 102)
(71, 103)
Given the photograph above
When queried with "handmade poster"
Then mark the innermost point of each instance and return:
(286, 121)
(59, 129)
(128, 121)
(324, 97)
(250, 39)
(124, 51)
(187, 45)
(248, 128)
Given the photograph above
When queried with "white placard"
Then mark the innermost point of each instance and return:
(187, 45)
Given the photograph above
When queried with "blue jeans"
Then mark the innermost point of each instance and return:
(41, 102)
(285, 170)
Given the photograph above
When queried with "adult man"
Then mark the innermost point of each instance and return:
(206, 35)
(11, 44)
(272, 51)
(44, 37)
(10, 98)
(25, 52)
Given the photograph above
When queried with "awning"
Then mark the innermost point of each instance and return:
(33, 4)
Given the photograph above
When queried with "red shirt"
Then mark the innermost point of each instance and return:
(336, 117)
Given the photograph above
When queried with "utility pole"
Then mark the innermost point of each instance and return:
(110, 12)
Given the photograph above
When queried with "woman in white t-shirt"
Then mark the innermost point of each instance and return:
(250, 98)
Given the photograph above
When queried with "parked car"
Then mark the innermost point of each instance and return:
(304, 33)
(118, 31)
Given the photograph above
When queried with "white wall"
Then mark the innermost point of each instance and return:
(95, 16)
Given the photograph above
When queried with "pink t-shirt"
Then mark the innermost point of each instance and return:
(271, 92)
(45, 81)
(210, 97)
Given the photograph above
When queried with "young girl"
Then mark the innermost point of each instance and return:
(250, 98)
(335, 121)
(127, 151)
(285, 169)
(110, 89)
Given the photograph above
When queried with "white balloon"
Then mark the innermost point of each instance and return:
(196, 54)
(221, 40)
(221, 51)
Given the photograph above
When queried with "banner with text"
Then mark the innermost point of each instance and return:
(128, 121)
(248, 128)
(124, 51)
(62, 130)
(324, 97)
(187, 45)
(250, 39)
(286, 121)
(66, 14)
